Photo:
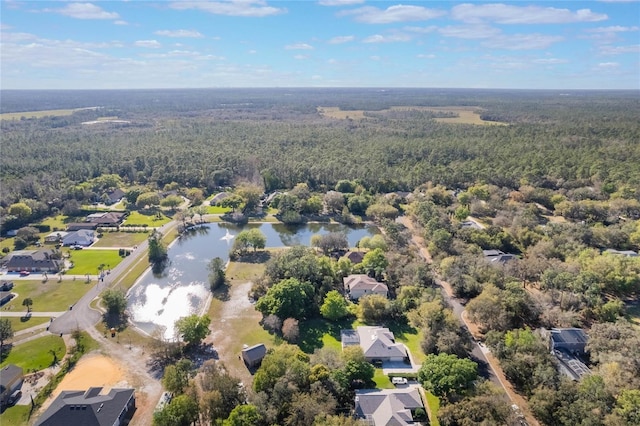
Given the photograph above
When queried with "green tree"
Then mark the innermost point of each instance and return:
(283, 361)
(243, 415)
(157, 250)
(256, 239)
(193, 328)
(115, 301)
(445, 374)
(20, 210)
(375, 263)
(288, 298)
(171, 201)
(176, 377)
(250, 194)
(147, 199)
(181, 411)
(628, 406)
(373, 308)
(231, 202)
(334, 306)
(217, 275)
(6, 332)
(28, 302)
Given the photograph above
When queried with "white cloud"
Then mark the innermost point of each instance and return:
(300, 57)
(341, 39)
(150, 44)
(299, 46)
(613, 29)
(339, 2)
(608, 65)
(470, 32)
(120, 22)
(246, 8)
(375, 58)
(550, 61)
(617, 50)
(509, 14)
(392, 14)
(423, 56)
(252, 52)
(394, 38)
(522, 41)
(85, 11)
(179, 33)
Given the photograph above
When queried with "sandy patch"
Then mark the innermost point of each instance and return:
(93, 370)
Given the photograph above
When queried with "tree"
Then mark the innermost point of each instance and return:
(446, 374)
(28, 302)
(20, 210)
(171, 201)
(289, 298)
(150, 199)
(28, 234)
(115, 301)
(176, 377)
(283, 361)
(334, 306)
(332, 241)
(243, 415)
(231, 202)
(291, 330)
(193, 328)
(221, 392)
(157, 250)
(334, 201)
(628, 406)
(375, 263)
(256, 239)
(181, 411)
(381, 211)
(217, 276)
(373, 308)
(6, 332)
(250, 194)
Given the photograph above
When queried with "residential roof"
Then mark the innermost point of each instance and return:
(503, 258)
(628, 253)
(569, 335)
(86, 408)
(81, 236)
(81, 225)
(355, 256)
(33, 259)
(115, 195)
(8, 375)
(349, 337)
(362, 282)
(379, 342)
(106, 217)
(491, 253)
(219, 197)
(255, 352)
(387, 407)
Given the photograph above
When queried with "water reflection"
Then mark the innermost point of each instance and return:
(181, 288)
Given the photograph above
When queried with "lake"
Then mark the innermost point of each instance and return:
(157, 301)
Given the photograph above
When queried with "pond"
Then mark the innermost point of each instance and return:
(157, 301)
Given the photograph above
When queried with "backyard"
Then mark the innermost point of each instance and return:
(49, 296)
(148, 218)
(88, 261)
(36, 354)
(121, 239)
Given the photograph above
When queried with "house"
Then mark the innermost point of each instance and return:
(388, 407)
(498, 256)
(358, 285)
(470, 224)
(626, 253)
(252, 356)
(492, 253)
(90, 408)
(55, 237)
(42, 260)
(377, 343)
(5, 297)
(114, 196)
(355, 256)
(82, 237)
(76, 226)
(219, 197)
(572, 340)
(11, 378)
(106, 218)
(6, 285)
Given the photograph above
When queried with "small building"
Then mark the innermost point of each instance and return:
(114, 196)
(6, 285)
(219, 197)
(492, 253)
(355, 257)
(377, 343)
(626, 253)
(106, 218)
(11, 378)
(253, 356)
(470, 224)
(5, 297)
(42, 260)
(90, 408)
(358, 285)
(76, 226)
(55, 237)
(82, 237)
(572, 340)
(388, 407)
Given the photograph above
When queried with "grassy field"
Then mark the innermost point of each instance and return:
(22, 323)
(37, 114)
(217, 210)
(121, 239)
(87, 261)
(18, 415)
(52, 296)
(150, 219)
(411, 338)
(433, 405)
(382, 380)
(36, 354)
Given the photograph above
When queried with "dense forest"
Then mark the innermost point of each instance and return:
(277, 138)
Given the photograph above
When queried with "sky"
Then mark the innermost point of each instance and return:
(320, 43)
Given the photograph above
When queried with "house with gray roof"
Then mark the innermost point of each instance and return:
(358, 285)
(568, 345)
(42, 260)
(82, 237)
(253, 355)
(388, 407)
(11, 378)
(90, 408)
(106, 218)
(377, 343)
(626, 253)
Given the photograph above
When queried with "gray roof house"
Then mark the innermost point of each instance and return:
(377, 343)
(90, 408)
(219, 197)
(11, 378)
(358, 285)
(387, 407)
(627, 253)
(106, 218)
(33, 261)
(82, 237)
(252, 356)
(75, 226)
(568, 345)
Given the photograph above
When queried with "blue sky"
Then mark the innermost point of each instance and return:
(321, 43)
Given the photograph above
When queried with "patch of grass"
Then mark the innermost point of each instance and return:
(17, 415)
(381, 380)
(138, 218)
(25, 322)
(121, 239)
(7, 242)
(244, 271)
(318, 332)
(433, 406)
(37, 114)
(59, 223)
(87, 261)
(50, 296)
(411, 338)
(36, 354)
(218, 210)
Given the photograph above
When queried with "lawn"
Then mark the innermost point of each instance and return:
(382, 380)
(137, 218)
(52, 296)
(411, 338)
(121, 239)
(22, 323)
(433, 406)
(37, 354)
(217, 210)
(37, 114)
(59, 223)
(87, 261)
(18, 415)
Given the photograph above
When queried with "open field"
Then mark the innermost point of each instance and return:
(121, 239)
(51, 296)
(88, 261)
(466, 115)
(37, 114)
(36, 354)
(17, 415)
(150, 219)
(25, 322)
(218, 210)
